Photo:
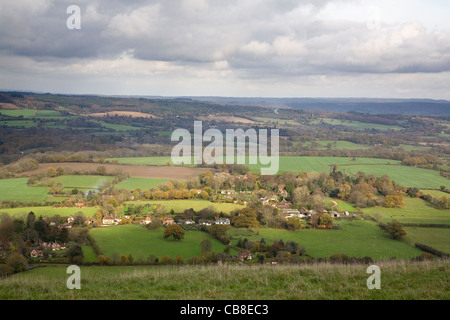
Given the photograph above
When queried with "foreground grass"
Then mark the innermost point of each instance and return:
(399, 280)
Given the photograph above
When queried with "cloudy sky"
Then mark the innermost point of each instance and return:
(245, 48)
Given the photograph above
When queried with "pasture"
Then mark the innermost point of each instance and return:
(357, 238)
(139, 242)
(402, 175)
(16, 189)
(415, 210)
(178, 206)
(82, 181)
(400, 281)
(140, 183)
(47, 211)
(438, 238)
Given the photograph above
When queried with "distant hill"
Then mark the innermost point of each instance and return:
(363, 105)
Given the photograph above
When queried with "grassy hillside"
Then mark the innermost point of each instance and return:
(399, 281)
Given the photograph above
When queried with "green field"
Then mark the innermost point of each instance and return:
(29, 113)
(399, 281)
(82, 181)
(415, 210)
(357, 238)
(16, 189)
(438, 238)
(402, 175)
(180, 205)
(51, 211)
(137, 240)
(436, 193)
(142, 183)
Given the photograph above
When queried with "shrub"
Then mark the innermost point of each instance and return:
(16, 262)
(4, 270)
(431, 250)
(166, 260)
(395, 230)
(103, 260)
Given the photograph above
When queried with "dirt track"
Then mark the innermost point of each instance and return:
(168, 172)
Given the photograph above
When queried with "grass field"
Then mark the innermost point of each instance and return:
(403, 175)
(357, 238)
(436, 193)
(180, 205)
(438, 238)
(51, 211)
(16, 189)
(137, 240)
(399, 281)
(142, 183)
(415, 210)
(82, 181)
(29, 113)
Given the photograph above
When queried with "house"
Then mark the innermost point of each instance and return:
(290, 213)
(67, 225)
(189, 221)
(283, 204)
(79, 204)
(227, 192)
(36, 253)
(224, 221)
(90, 220)
(334, 214)
(147, 220)
(70, 219)
(108, 220)
(204, 222)
(244, 255)
(168, 221)
(56, 246)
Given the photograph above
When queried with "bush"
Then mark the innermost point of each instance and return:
(16, 262)
(103, 260)
(4, 270)
(431, 250)
(395, 230)
(424, 257)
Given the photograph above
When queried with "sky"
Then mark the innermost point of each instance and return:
(238, 48)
